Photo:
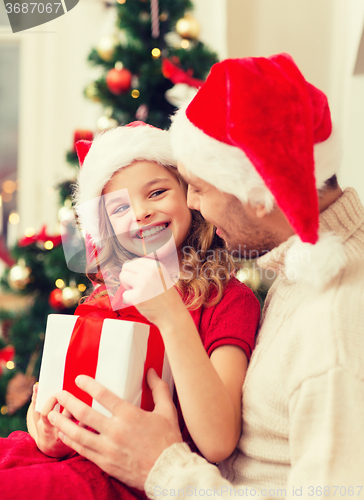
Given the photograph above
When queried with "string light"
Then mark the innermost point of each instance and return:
(48, 245)
(10, 365)
(14, 218)
(29, 232)
(4, 410)
(156, 53)
(135, 93)
(185, 44)
(9, 186)
(81, 287)
(121, 1)
(59, 283)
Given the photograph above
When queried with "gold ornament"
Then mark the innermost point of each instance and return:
(144, 17)
(106, 47)
(188, 27)
(250, 274)
(91, 92)
(70, 296)
(19, 276)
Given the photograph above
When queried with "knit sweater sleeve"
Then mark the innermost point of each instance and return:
(180, 473)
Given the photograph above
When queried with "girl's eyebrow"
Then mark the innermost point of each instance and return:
(155, 181)
(115, 199)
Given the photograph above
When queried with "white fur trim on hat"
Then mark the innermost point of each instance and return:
(111, 151)
(316, 264)
(230, 170)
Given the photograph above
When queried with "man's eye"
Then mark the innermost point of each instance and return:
(157, 193)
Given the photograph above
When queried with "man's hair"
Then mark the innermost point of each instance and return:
(331, 183)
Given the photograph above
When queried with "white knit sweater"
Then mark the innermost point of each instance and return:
(303, 397)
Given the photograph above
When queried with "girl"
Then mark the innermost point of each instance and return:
(208, 320)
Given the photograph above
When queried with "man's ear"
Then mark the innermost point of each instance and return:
(261, 210)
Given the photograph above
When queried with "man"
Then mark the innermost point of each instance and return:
(257, 148)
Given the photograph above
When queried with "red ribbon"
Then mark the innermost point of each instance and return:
(82, 354)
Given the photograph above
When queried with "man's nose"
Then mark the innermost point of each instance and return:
(193, 200)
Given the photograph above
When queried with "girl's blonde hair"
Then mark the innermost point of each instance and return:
(204, 259)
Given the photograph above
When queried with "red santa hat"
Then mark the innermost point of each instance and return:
(106, 154)
(258, 130)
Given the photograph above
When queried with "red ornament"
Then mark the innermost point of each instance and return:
(82, 135)
(118, 81)
(55, 300)
(6, 354)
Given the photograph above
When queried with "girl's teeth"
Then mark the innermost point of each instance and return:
(151, 232)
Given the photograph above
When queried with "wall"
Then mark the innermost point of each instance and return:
(54, 73)
(353, 101)
(322, 36)
(212, 16)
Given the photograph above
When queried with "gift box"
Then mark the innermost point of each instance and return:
(114, 351)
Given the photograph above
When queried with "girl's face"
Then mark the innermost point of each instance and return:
(142, 201)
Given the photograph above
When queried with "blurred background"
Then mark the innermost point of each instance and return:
(50, 96)
(44, 70)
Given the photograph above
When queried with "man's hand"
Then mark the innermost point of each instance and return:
(46, 435)
(127, 444)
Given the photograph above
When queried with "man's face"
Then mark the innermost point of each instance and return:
(238, 225)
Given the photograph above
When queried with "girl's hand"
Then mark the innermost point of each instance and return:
(46, 435)
(150, 288)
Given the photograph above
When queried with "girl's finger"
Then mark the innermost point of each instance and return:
(35, 393)
(48, 406)
(130, 280)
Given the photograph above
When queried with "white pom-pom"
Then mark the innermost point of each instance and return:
(315, 264)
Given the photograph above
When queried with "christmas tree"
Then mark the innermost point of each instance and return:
(150, 64)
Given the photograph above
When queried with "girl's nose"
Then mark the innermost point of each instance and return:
(142, 212)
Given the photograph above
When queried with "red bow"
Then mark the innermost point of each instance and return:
(42, 236)
(178, 75)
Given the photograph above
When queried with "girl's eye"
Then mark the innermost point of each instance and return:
(120, 209)
(157, 193)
